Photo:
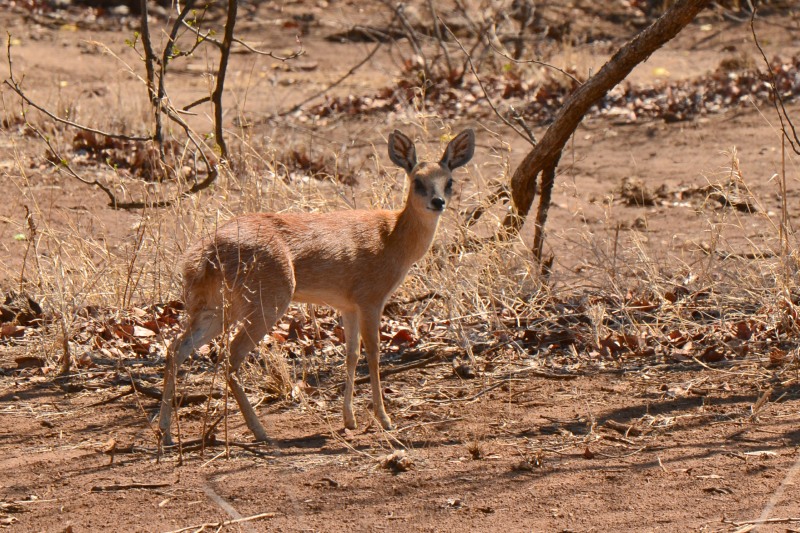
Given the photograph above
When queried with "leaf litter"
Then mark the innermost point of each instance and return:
(538, 95)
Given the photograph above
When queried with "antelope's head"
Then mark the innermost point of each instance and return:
(431, 183)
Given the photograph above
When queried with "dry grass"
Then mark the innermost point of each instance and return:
(729, 302)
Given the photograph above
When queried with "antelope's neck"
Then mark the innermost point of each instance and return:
(413, 234)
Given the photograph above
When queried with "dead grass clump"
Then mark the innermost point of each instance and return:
(302, 162)
(530, 462)
(397, 461)
(272, 375)
(144, 161)
(476, 450)
(635, 192)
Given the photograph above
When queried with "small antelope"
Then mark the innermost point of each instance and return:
(255, 265)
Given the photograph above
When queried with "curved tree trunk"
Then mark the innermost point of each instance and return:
(545, 155)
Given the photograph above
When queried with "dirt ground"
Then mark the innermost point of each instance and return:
(539, 441)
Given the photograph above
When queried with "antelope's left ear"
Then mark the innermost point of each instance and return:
(460, 150)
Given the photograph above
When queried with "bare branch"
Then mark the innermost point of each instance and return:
(297, 53)
(11, 82)
(439, 38)
(526, 14)
(411, 35)
(169, 49)
(149, 65)
(206, 37)
(220, 525)
(507, 122)
(535, 62)
(334, 84)
(522, 124)
(501, 193)
(216, 95)
(480, 33)
(211, 168)
(780, 108)
(63, 165)
(546, 154)
(196, 103)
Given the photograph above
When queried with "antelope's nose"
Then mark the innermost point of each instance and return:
(437, 203)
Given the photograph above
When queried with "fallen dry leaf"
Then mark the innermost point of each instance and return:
(29, 361)
(11, 330)
(403, 337)
(139, 331)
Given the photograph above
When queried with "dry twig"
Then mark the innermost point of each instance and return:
(220, 525)
(128, 486)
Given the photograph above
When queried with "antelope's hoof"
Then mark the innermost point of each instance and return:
(386, 423)
(260, 436)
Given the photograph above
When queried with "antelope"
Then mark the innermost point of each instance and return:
(255, 265)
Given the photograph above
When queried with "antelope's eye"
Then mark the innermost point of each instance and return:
(419, 187)
(449, 186)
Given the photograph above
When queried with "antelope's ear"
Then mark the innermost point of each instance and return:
(402, 151)
(460, 150)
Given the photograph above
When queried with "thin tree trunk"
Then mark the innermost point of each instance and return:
(545, 155)
(149, 64)
(216, 96)
(548, 179)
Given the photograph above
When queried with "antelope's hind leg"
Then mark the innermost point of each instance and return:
(201, 328)
(254, 326)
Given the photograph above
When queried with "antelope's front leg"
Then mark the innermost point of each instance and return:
(370, 335)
